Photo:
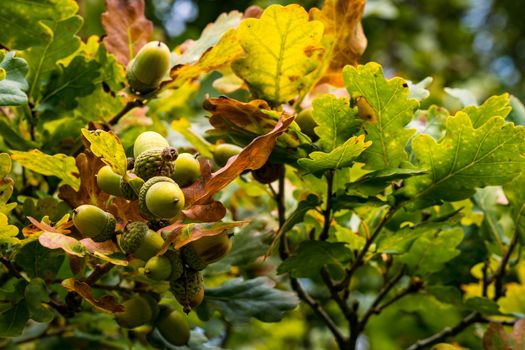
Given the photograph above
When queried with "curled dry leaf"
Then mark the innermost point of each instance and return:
(70, 245)
(343, 28)
(180, 234)
(126, 27)
(251, 157)
(107, 303)
(210, 212)
(105, 248)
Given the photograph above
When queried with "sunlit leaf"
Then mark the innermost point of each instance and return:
(340, 157)
(282, 48)
(466, 158)
(108, 148)
(392, 111)
(494, 106)
(58, 165)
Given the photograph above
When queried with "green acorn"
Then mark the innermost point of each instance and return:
(148, 140)
(161, 197)
(223, 152)
(140, 241)
(146, 71)
(187, 170)
(94, 222)
(108, 181)
(173, 327)
(155, 162)
(137, 311)
(206, 250)
(158, 268)
(188, 289)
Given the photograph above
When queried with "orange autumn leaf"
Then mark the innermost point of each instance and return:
(107, 303)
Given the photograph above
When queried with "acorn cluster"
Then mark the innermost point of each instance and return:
(156, 176)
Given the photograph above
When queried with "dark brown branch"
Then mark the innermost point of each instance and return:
(319, 310)
(361, 255)
(470, 319)
(499, 274)
(128, 107)
(98, 272)
(328, 210)
(374, 308)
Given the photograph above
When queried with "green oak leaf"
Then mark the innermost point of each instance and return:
(494, 106)
(38, 261)
(375, 182)
(515, 193)
(239, 300)
(391, 110)
(43, 59)
(13, 320)
(431, 250)
(13, 137)
(340, 157)
(484, 306)
(466, 158)
(14, 85)
(7, 232)
(336, 120)
(282, 49)
(22, 22)
(76, 80)
(311, 256)
(108, 148)
(36, 295)
(59, 165)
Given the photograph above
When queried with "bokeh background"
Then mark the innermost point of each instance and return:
(478, 45)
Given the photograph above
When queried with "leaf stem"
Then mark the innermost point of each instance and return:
(328, 210)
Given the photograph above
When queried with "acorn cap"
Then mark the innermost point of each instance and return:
(133, 236)
(188, 289)
(155, 162)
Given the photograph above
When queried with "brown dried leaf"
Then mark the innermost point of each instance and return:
(343, 35)
(251, 157)
(89, 193)
(496, 338)
(227, 112)
(126, 27)
(106, 248)
(192, 192)
(181, 234)
(107, 303)
(518, 334)
(210, 212)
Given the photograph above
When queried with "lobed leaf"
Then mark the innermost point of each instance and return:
(23, 23)
(239, 300)
(340, 157)
(343, 35)
(107, 146)
(58, 165)
(391, 110)
(126, 27)
(282, 49)
(466, 158)
(14, 85)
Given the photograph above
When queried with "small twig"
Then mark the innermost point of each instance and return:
(471, 318)
(499, 274)
(361, 255)
(374, 308)
(328, 210)
(347, 312)
(10, 267)
(128, 107)
(98, 272)
(320, 311)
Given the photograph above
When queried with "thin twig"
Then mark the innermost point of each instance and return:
(470, 319)
(319, 310)
(499, 274)
(128, 107)
(374, 308)
(98, 272)
(328, 210)
(10, 267)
